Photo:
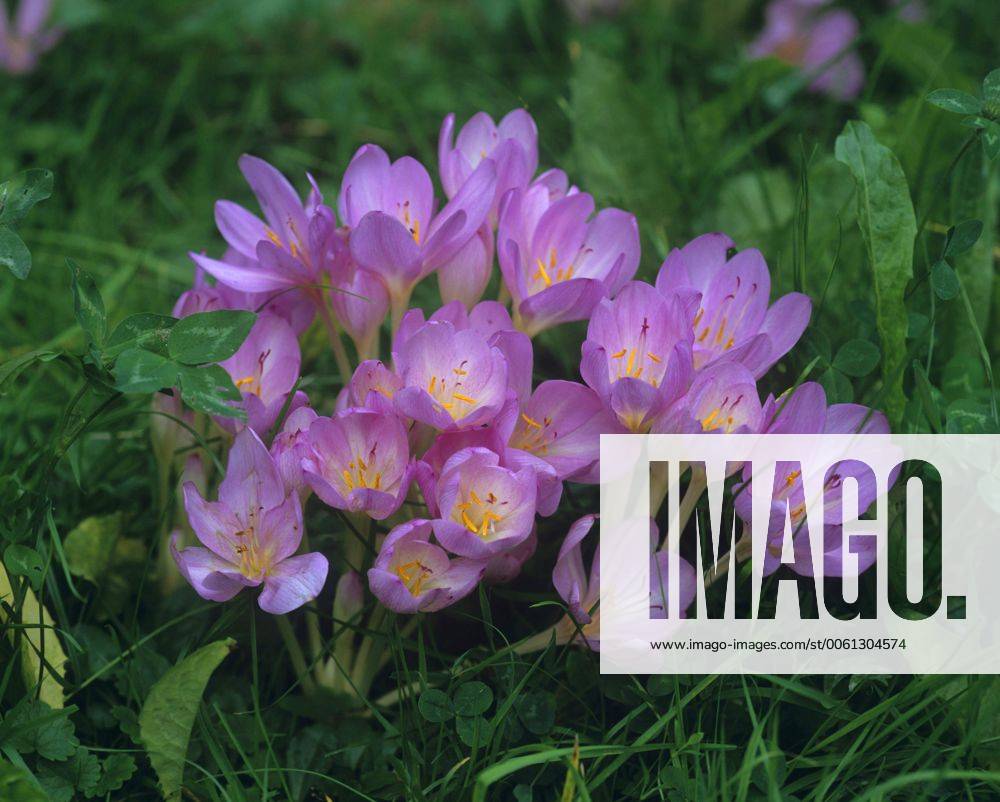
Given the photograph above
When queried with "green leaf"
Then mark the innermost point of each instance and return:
(116, 771)
(537, 709)
(474, 731)
(991, 90)
(14, 254)
(888, 226)
(435, 706)
(20, 193)
(22, 560)
(838, 388)
(33, 726)
(13, 368)
(857, 358)
(473, 699)
(91, 545)
(209, 389)
(962, 237)
(88, 304)
(18, 785)
(168, 713)
(955, 101)
(209, 336)
(140, 371)
(144, 330)
(944, 281)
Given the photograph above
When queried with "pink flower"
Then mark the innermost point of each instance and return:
(28, 38)
(483, 509)
(464, 277)
(799, 33)
(731, 296)
(556, 261)
(264, 370)
(412, 575)
(249, 535)
(389, 207)
(513, 145)
(291, 446)
(637, 355)
(361, 305)
(360, 462)
(289, 250)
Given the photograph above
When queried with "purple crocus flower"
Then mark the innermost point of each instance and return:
(731, 296)
(451, 379)
(513, 145)
(557, 262)
(483, 509)
(411, 574)
(722, 398)
(487, 318)
(249, 535)
(373, 385)
(637, 355)
(561, 423)
(264, 370)
(805, 411)
(291, 445)
(361, 305)
(288, 250)
(581, 592)
(389, 207)
(800, 33)
(360, 462)
(27, 37)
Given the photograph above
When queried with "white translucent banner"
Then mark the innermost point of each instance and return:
(804, 577)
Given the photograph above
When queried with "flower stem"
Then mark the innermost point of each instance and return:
(295, 654)
(336, 344)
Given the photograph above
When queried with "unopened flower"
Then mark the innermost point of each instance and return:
(557, 261)
(288, 250)
(264, 370)
(361, 305)
(411, 574)
(26, 37)
(731, 296)
(249, 535)
(637, 355)
(291, 445)
(512, 144)
(360, 462)
(389, 207)
(483, 509)
(464, 277)
(451, 379)
(800, 33)
(374, 386)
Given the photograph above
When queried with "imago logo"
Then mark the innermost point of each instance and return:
(800, 554)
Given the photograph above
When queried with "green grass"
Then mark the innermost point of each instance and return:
(141, 113)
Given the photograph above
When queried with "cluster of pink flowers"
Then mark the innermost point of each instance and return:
(448, 438)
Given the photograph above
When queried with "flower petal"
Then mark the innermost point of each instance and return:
(293, 582)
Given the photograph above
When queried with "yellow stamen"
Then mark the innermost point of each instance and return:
(654, 357)
(430, 387)
(630, 363)
(531, 421)
(415, 231)
(618, 354)
(475, 498)
(707, 423)
(245, 381)
(274, 238)
(543, 273)
(464, 398)
(468, 523)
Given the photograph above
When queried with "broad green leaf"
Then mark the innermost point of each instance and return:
(21, 560)
(435, 706)
(209, 336)
(962, 237)
(90, 546)
(144, 330)
(88, 304)
(955, 101)
(14, 254)
(168, 713)
(13, 368)
(991, 92)
(991, 141)
(537, 709)
(838, 388)
(140, 371)
(210, 389)
(34, 726)
(888, 226)
(20, 193)
(116, 770)
(474, 731)
(944, 281)
(38, 639)
(857, 358)
(473, 699)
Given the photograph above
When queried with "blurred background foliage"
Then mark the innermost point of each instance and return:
(141, 113)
